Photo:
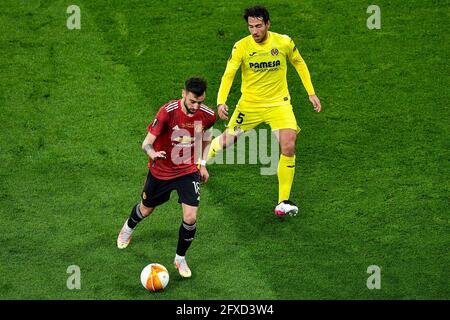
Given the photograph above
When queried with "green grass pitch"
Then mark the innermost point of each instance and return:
(372, 178)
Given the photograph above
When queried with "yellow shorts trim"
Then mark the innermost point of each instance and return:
(248, 116)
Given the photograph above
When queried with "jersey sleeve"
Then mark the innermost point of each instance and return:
(299, 64)
(208, 132)
(211, 121)
(159, 122)
(233, 64)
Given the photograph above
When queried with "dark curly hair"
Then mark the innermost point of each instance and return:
(195, 85)
(257, 12)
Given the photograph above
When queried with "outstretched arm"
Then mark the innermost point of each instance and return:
(233, 64)
(302, 69)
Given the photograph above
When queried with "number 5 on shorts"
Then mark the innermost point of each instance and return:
(240, 118)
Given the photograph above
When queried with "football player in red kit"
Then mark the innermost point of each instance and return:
(175, 137)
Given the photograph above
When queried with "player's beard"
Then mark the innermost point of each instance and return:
(187, 109)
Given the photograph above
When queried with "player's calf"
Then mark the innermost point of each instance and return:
(138, 213)
(185, 238)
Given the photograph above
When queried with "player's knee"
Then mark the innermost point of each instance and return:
(145, 211)
(190, 217)
(189, 220)
(288, 148)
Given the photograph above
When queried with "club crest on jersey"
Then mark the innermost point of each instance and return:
(274, 52)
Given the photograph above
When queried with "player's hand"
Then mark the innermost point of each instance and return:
(204, 175)
(316, 103)
(222, 110)
(156, 155)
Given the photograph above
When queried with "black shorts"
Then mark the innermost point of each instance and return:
(157, 191)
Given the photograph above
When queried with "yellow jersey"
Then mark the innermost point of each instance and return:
(264, 68)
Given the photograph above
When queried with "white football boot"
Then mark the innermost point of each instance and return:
(285, 208)
(181, 264)
(124, 238)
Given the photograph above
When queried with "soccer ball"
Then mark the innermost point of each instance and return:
(154, 277)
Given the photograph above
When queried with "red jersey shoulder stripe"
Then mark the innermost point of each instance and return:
(170, 103)
(207, 109)
(171, 106)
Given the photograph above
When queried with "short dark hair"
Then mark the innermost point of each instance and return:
(257, 12)
(195, 85)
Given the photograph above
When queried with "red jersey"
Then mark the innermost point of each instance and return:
(180, 136)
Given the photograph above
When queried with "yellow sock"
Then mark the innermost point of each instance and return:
(286, 170)
(214, 147)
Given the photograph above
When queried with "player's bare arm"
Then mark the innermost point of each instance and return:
(315, 102)
(222, 110)
(147, 147)
(204, 175)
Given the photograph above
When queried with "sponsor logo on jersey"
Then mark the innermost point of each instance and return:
(274, 52)
(264, 65)
(187, 125)
(252, 54)
(184, 139)
(155, 122)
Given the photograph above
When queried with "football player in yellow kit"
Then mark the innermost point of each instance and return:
(262, 57)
